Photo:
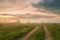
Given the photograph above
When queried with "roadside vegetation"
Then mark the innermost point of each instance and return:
(54, 30)
(38, 35)
(15, 31)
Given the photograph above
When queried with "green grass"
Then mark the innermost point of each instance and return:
(38, 35)
(55, 30)
(14, 31)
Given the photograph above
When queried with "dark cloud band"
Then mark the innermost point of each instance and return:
(50, 5)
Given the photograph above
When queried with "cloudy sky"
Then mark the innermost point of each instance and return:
(49, 5)
(43, 7)
(16, 6)
(19, 5)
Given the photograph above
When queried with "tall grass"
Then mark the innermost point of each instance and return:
(14, 31)
(54, 30)
(38, 35)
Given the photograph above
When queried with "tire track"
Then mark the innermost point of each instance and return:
(30, 33)
(48, 35)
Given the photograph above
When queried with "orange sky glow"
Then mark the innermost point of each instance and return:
(23, 7)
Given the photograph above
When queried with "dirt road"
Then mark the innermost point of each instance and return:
(30, 33)
(47, 33)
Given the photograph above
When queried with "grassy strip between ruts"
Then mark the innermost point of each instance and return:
(38, 35)
(55, 30)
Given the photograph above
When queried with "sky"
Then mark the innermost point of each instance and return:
(42, 7)
(13, 6)
(7, 6)
(49, 5)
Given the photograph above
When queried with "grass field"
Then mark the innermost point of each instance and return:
(54, 30)
(15, 31)
(38, 35)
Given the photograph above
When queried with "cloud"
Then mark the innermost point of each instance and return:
(49, 5)
(11, 3)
